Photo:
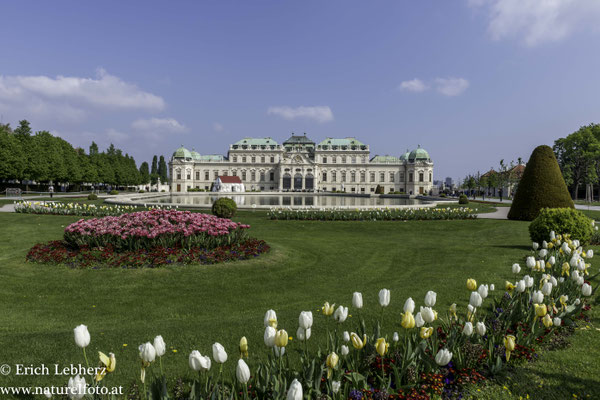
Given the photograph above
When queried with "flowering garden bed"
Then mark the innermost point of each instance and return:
(150, 239)
(71, 208)
(378, 214)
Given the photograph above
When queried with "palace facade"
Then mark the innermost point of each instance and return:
(299, 164)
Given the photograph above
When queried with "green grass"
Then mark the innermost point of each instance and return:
(310, 262)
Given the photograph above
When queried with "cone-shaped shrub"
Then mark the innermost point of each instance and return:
(542, 185)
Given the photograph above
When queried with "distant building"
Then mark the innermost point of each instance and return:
(228, 184)
(299, 164)
(448, 182)
(510, 178)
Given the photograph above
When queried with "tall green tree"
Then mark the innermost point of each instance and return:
(154, 170)
(163, 171)
(144, 173)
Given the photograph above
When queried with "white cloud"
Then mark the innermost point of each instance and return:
(316, 113)
(217, 127)
(538, 21)
(39, 94)
(451, 86)
(116, 136)
(413, 85)
(159, 125)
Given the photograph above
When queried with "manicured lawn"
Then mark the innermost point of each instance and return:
(310, 262)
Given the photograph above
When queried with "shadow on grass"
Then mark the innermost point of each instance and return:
(554, 385)
(509, 246)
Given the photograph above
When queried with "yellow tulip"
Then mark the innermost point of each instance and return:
(328, 309)
(550, 245)
(566, 269)
(541, 310)
(426, 332)
(509, 344)
(408, 320)
(381, 346)
(453, 311)
(107, 364)
(281, 338)
(243, 347)
(471, 284)
(547, 321)
(332, 361)
(563, 301)
(357, 342)
(509, 286)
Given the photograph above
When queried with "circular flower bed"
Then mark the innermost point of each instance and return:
(150, 239)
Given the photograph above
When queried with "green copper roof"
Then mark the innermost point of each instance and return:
(300, 139)
(404, 156)
(418, 154)
(195, 155)
(349, 141)
(212, 157)
(256, 142)
(182, 152)
(385, 159)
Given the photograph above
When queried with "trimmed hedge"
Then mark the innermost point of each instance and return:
(561, 220)
(92, 196)
(113, 192)
(463, 199)
(542, 186)
(224, 208)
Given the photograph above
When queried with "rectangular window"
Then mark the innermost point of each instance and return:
(391, 177)
(225, 173)
(382, 177)
(333, 177)
(272, 159)
(179, 175)
(333, 159)
(353, 176)
(253, 159)
(420, 177)
(216, 174)
(243, 159)
(189, 176)
(362, 176)
(252, 176)
(343, 176)
(353, 159)
(401, 176)
(410, 177)
(324, 160)
(234, 173)
(372, 177)
(272, 176)
(262, 159)
(324, 176)
(243, 175)
(197, 175)
(234, 158)
(206, 176)
(262, 176)
(343, 159)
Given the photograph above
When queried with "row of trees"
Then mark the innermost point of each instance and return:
(578, 157)
(505, 177)
(42, 157)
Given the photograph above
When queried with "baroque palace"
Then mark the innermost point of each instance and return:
(299, 164)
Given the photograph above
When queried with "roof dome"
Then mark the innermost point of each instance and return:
(418, 154)
(404, 156)
(182, 152)
(195, 155)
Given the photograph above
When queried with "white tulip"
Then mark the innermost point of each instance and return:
(556, 321)
(219, 354)
(242, 372)
(270, 319)
(303, 334)
(586, 290)
(480, 327)
(590, 253)
(76, 387)
(521, 286)
(305, 320)
(576, 243)
(561, 279)
(160, 346)
(335, 386)
(279, 351)
(516, 268)
(483, 291)
(409, 305)
(552, 235)
(574, 260)
(195, 360)
(528, 281)
(82, 336)
(575, 275)
(419, 321)
(346, 336)
(580, 281)
(295, 391)
(552, 260)
(537, 297)
(544, 244)
(475, 299)
(147, 352)
(345, 350)
(577, 302)
(543, 253)
(269, 336)
(205, 363)
(396, 337)
(553, 281)
(340, 314)
(430, 298)
(535, 245)
(468, 329)
(443, 357)
(357, 300)
(547, 288)
(492, 287)
(427, 314)
(384, 297)
(530, 262)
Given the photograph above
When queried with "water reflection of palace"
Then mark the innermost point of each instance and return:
(299, 164)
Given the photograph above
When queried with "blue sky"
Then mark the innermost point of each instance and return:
(472, 81)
